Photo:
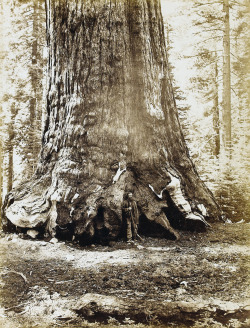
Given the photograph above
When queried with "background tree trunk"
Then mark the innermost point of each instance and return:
(112, 126)
(10, 147)
(226, 101)
(216, 112)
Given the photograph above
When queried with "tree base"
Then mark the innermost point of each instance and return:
(94, 215)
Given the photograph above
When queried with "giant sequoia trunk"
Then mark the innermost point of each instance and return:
(1, 160)
(112, 127)
(36, 76)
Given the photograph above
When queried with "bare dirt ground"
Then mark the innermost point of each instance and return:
(199, 281)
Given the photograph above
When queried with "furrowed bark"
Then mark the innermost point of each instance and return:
(1, 161)
(112, 127)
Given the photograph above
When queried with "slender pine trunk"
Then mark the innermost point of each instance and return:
(226, 101)
(10, 148)
(216, 113)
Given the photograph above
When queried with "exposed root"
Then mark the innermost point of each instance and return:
(29, 212)
(197, 217)
(173, 188)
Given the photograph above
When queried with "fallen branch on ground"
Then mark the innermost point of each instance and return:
(19, 273)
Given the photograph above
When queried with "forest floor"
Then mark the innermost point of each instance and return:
(199, 281)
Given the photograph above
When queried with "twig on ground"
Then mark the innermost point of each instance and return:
(62, 282)
(16, 306)
(24, 311)
(19, 273)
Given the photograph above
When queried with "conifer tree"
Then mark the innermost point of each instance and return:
(112, 126)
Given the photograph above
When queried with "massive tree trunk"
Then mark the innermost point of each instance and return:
(36, 76)
(34, 83)
(1, 159)
(112, 127)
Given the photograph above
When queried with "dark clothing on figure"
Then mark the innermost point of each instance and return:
(131, 215)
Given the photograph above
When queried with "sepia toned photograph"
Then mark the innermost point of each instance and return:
(124, 163)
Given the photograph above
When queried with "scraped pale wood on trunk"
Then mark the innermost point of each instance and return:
(112, 126)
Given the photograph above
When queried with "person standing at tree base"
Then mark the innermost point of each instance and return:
(131, 215)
